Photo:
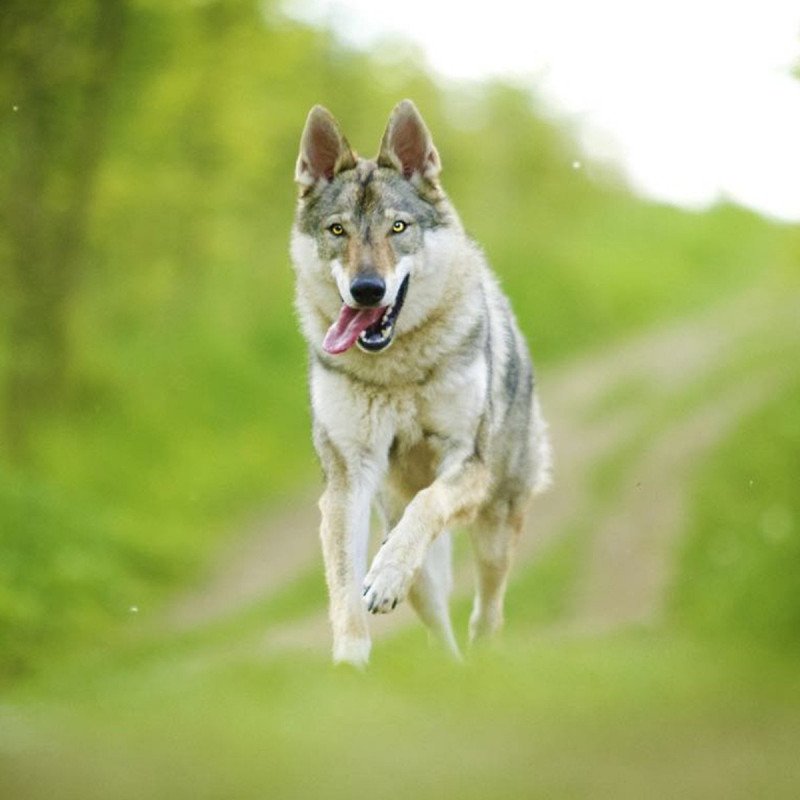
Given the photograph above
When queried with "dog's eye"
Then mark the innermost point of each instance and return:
(336, 229)
(399, 226)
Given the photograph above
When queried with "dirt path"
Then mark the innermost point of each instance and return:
(595, 408)
(630, 561)
(272, 550)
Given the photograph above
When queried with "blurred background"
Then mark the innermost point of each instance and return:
(634, 180)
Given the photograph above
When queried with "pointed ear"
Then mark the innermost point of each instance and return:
(407, 145)
(324, 152)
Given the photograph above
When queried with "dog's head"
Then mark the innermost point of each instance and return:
(365, 221)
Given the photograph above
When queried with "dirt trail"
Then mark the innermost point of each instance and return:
(629, 560)
(269, 553)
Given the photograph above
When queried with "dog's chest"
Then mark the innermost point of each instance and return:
(414, 463)
(411, 423)
(434, 421)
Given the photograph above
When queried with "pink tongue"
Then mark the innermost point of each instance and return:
(343, 333)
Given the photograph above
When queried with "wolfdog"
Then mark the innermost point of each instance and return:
(422, 390)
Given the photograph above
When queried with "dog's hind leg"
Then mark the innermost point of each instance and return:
(494, 537)
(430, 593)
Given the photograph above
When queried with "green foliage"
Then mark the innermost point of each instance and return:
(64, 574)
(738, 573)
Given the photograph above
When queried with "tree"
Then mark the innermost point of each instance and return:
(58, 62)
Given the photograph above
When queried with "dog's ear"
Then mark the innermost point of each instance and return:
(407, 145)
(324, 152)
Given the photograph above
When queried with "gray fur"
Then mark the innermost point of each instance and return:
(441, 429)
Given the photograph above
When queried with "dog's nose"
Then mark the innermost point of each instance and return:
(368, 290)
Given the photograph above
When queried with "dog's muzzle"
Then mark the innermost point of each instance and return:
(372, 328)
(379, 335)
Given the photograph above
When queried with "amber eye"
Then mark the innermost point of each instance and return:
(336, 229)
(399, 226)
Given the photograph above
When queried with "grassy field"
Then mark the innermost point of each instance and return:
(642, 713)
(737, 568)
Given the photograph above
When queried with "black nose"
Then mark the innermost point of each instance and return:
(368, 290)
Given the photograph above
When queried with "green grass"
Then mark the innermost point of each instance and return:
(629, 716)
(738, 574)
(541, 593)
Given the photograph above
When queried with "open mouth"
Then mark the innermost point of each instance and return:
(379, 335)
(371, 328)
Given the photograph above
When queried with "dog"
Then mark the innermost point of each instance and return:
(422, 389)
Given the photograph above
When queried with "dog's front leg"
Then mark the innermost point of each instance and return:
(453, 498)
(344, 531)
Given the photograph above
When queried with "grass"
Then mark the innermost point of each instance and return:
(738, 576)
(627, 716)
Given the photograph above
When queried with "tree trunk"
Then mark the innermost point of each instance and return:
(61, 68)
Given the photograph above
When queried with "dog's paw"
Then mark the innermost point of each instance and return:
(352, 651)
(386, 584)
(484, 625)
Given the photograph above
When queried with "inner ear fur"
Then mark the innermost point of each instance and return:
(324, 151)
(407, 145)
